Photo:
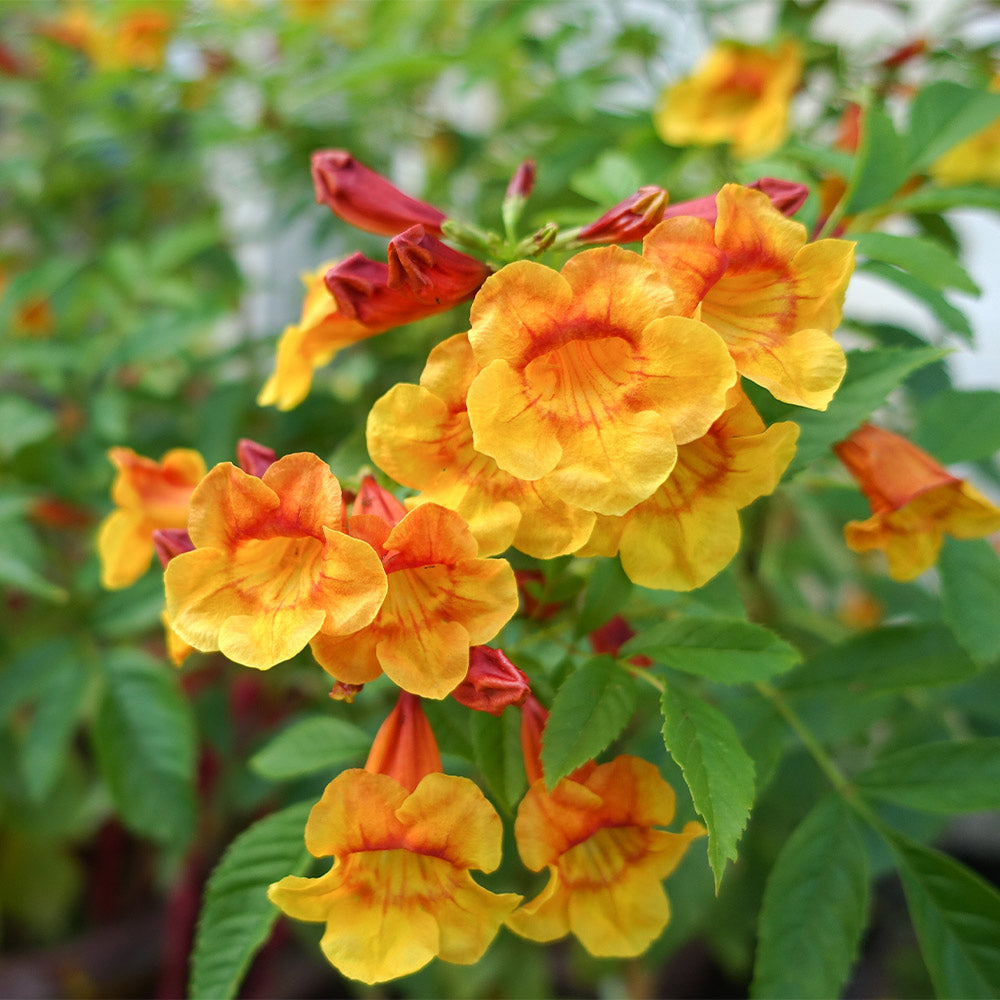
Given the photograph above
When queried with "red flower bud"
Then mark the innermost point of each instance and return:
(404, 747)
(786, 196)
(629, 220)
(610, 638)
(531, 587)
(533, 719)
(492, 683)
(372, 499)
(523, 181)
(255, 459)
(170, 542)
(366, 199)
(431, 271)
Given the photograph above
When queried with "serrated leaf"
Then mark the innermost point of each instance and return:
(727, 650)
(236, 915)
(496, 747)
(717, 770)
(944, 114)
(957, 919)
(880, 167)
(815, 908)
(871, 376)
(590, 710)
(937, 777)
(959, 426)
(144, 738)
(57, 711)
(889, 659)
(950, 317)
(318, 743)
(970, 593)
(604, 596)
(924, 259)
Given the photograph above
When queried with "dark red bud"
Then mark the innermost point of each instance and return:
(254, 459)
(492, 683)
(366, 199)
(610, 638)
(629, 220)
(170, 542)
(523, 181)
(432, 271)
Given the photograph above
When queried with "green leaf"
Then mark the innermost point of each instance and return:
(728, 650)
(57, 711)
(496, 747)
(815, 908)
(24, 675)
(944, 312)
(612, 178)
(605, 595)
(318, 743)
(871, 376)
(941, 777)
(717, 770)
(943, 115)
(23, 423)
(144, 738)
(590, 710)
(935, 199)
(886, 660)
(923, 258)
(880, 167)
(957, 919)
(17, 571)
(957, 426)
(236, 915)
(970, 593)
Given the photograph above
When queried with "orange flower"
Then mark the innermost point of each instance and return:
(420, 435)
(148, 495)
(739, 94)
(137, 39)
(914, 502)
(589, 379)
(404, 838)
(359, 298)
(596, 833)
(778, 298)
(271, 569)
(689, 529)
(441, 600)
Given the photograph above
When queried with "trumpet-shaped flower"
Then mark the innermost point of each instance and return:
(420, 435)
(441, 600)
(914, 502)
(399, 892)
(148, 495)
(739, 94)
(271, 569)
(597, 834)
(778, 298)
(689, 529)
(589, 379)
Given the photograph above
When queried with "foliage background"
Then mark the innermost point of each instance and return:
(155, 218)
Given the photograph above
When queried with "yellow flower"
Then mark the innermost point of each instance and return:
(129, 37)
(399, 892)
(689, 529)
(271, 568)
(589, 380)
(148, 495)
(778, 299)
(739, 94)
(420, 435)
(596, 833)
(441, 600)
(914, 502)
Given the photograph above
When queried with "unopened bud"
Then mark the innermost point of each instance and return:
(373, 499)
(255, 459)
(786, 196)
(629, 220)
(404, 747)
(492, 683)
(366, 199)
(170, 542)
